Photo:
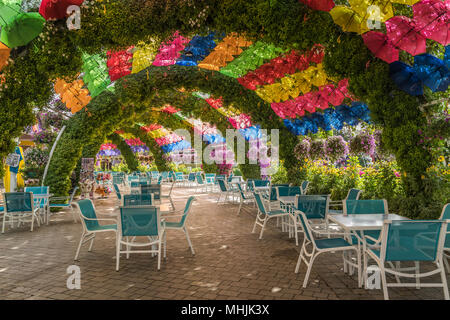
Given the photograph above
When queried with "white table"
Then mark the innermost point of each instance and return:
(43, 199)
(287, 200)
(353, 223)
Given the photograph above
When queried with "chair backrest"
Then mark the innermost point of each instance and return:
(191, 176)
(306, 227)
(313, 205)
(283, 191)
(412, 240)
(18, 202)
(37, 190)
(304, 186)
(353, 194)
(160, 178)
(236, 179)
(445, 215)
(145, 199)
(260, 203)
(230, 178)
(116, 188)
(132, 178)
(210, 177)
(250, 185)
(155, 174)
(219, 177)
(365, 207)
(187, 209)
(137, 184)
(154, 189)
(222, 185)
(117, 179)
(164, 174)
(140, 221)
(87, 210)
(73, 195)
(199, 178)
(241, 191)
(179, 176)
(261, 183)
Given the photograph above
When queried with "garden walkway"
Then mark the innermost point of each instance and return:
(230, 263)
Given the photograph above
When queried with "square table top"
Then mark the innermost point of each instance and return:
(363, 221)
(287, 199)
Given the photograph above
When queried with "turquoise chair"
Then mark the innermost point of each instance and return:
(223, 191)
(312, 248)
(305, 185)
(200, 183)
(19, 205)
(314, 207)
(41, 203)
(155, 174)
(179, 177)
(245, 197)
(409, 240)
(264, 215)
(117, 190)
(64, 202)
(181, 225)
(90, 224)
(165, 176)
(192, 178)
(130, 200)
(154, 189)
(445, 215)
(167, 196)
(160, 180)
(210, 179)
(353, 194)
(140, 222)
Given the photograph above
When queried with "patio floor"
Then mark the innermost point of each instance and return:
(230, 262)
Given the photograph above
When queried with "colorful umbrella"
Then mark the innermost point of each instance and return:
(447, 56)
(349, 20)
(402, 32)
(4, 55)
(381, 47)
(56, 9)
(432, 18)
(363, 8)
(322, 5)
(432, 71)
(19, 28)
(406, 78)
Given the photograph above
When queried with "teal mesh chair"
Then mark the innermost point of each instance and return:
(154, 189)
(245, 197)
(167, 196)
(117, 179)
(155, 174)
(312, 248)
(140, 222)
(223, 191)
(446, 216)
(263, 214)
(200, 183)
(219, 177)
(305, 185)
(181, 224)
(41, 203)
(353, 194)
(130, 200)
(210, 179)
(179, 178)
(118, 194)
(413, 241)
(160, 180)
(90, 224)
(20, 206)
(64, 203)
(285, 190)
(192, 179)
(138, 184)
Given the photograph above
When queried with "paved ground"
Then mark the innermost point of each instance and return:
(230, 263)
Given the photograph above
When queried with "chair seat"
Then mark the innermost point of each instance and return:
(104, 227)
(313, 216)
(276, 212)
(174, 225)
(335, 211)
(332, 243)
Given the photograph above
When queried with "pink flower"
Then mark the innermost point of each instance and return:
(397, 174)
(361, 173)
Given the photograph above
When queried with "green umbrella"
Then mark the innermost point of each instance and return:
(18, 27)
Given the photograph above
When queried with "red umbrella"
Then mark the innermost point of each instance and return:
(56, 9)
(322, 5)
(402, 32)
(381, 47)
(432, 18)
(119, 63)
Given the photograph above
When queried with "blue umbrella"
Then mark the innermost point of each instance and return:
(406, 78)
(432, 71)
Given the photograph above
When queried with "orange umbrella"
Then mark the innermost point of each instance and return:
(4, 55)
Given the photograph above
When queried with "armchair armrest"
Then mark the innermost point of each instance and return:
(376, 241)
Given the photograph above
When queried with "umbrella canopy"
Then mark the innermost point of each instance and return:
(4, 55)
(381, 47)
(20, 29)
(405, 78)
(432, 18)
(348, 19)
(322, 5)
(432, 71)
(56, 9)
(447, 56)
(402, 32)
(361, 7)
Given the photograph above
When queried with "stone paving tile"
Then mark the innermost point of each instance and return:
(230, 262)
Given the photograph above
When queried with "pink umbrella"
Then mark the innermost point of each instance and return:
(402, 32)
(381, 47)
(432, 18)
(331, 94)
(322, 5)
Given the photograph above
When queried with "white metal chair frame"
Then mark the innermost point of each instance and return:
(446, 250)
(396, 271)
(248, 195)
(309, 257)
(70, 198)
(263, 217)
(20, 215)
(158, 241)
(169, 196)
(89, 235)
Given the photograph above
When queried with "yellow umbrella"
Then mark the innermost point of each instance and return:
(349, 20)
(377, 10)
(407, 2)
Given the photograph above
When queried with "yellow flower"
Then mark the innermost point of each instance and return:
(441, 159)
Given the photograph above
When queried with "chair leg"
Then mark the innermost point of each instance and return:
(118, 245)
(79, 246)
(3, 224)
(74, 215)
(128, 248)
(189, 240)
(444, 280)
(32, 222)
(308, 272)
(383, 282)
(262, 229)
(159, 254)
(299, 260)
(447, 266)
(92, 243)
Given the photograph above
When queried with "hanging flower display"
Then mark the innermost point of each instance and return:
(73, 94)
(119, 63)
(301, 150)
(317, 149)
(336, 147)
(363, 143)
